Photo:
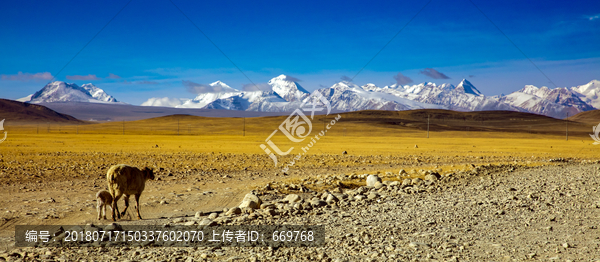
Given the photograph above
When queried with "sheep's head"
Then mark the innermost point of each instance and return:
(148, 173)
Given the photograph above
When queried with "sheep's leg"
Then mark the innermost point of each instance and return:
(115, 208)
(137, 205)
(126, 198)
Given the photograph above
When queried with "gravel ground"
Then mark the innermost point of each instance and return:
(488, 213)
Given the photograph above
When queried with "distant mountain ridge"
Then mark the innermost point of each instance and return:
(559, 102)
(285, 94)
(59, 91)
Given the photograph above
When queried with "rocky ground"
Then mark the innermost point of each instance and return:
(483, 213)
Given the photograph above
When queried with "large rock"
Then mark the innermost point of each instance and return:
(252, 197)
(291, 198)
(249, 204)
(251, 200)
(372, 179)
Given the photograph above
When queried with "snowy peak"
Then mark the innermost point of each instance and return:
(563, 96)
(370, 87)
(288, 89)
(589, 93)
(98, 93)
(558, 102)
(535, 91)
(466, 87)
(593, 85)
(219, 86)
(59, 91)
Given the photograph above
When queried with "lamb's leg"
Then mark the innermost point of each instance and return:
(98, 208)
(137, 205)
(104, 210)
(126, 198)
(115, 208)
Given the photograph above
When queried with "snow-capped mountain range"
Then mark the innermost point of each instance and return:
(59, 91)
(285, 95)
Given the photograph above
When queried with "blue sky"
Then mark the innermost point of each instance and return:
(150, 48)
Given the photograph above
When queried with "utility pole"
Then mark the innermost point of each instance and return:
(567, 126)
(427, 126)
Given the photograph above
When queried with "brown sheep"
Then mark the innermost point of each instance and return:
(103, 199)
(127, 180)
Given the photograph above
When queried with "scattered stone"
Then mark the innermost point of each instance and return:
(434, 176)
(267, 205)
(372, 195)
(315, 202)
(234, 211)
(417, 181)
(331, 198)
(207, 222)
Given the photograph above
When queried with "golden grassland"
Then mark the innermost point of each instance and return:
(181, 143)
(223, 135)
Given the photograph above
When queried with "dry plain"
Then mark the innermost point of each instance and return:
(50, 173)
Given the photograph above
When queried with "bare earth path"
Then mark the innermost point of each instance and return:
(497, 213)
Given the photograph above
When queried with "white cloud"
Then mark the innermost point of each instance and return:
(79, 77)
(112, 76)
(164, 101)
(28, 76)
